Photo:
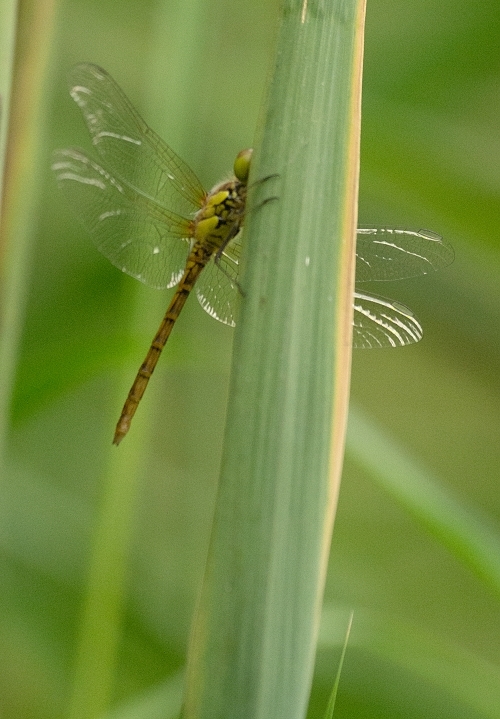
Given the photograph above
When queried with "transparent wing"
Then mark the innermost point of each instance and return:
(133, 232)
(388, 254)
(217, 288)
(130, 150)
(379, 322)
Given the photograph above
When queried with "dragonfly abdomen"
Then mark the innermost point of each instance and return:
(198, 258)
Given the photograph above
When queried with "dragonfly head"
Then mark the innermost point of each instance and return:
(242, 165)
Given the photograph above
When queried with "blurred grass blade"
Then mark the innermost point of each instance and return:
(253, 641)
(333, 696)
(467, 534)
(8, 20)
(101, 622)
(457, 672)
(21, 188)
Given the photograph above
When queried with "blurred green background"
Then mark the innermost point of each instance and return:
(430, 159)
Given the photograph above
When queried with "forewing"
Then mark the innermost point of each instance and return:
(130, 150)
(217, 288)
(391, 254)
(379, 322)
(140, 238)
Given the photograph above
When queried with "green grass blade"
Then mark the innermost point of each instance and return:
(8, 18)
(21, 189)
(254, 636)
(469, 536)
(101, 621)
(8, 340)
(453, 669)
(100, 624)
(333, 696)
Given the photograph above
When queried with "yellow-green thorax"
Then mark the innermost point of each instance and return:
(221, 217)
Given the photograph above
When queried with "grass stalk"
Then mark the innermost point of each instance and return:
(8, 21)
(254, 636)
(103, 604)
(21, 184)
(463, 531)
(100, 625)
(454, 670)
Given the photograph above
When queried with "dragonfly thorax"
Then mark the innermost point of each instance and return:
(221, 217)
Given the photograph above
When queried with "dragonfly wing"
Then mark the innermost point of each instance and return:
(379, 322)
(217, 288)
(389, 254)
(128, 147)
(136, 235)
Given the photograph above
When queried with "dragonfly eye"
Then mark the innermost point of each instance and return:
(242, 165)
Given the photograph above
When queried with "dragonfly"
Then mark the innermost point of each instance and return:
(148, 213)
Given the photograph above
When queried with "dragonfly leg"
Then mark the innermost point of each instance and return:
(263, 202)
(232, 234)
(261, 180)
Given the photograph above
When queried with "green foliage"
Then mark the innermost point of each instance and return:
(428, 636)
